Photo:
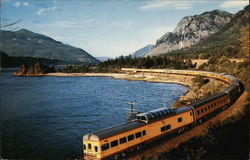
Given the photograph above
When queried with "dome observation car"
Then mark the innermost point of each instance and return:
(159, 113)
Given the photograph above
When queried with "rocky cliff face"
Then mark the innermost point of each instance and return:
(190, 31)
(36, 70)
(143, 51)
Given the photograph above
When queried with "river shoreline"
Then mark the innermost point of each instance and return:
(193, 91)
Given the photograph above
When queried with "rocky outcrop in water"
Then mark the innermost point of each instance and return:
(191, 30)
(37, 70)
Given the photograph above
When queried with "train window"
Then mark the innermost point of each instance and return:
(105, 146)
(205, 108)
(143, 132)
(123, 140)
(163, 129)
(198, 112)
(138, 134)
(84, 147)
(96, 149)
(167, 127)
(131, 137)
(89, 146)
(114, 143)
(208, 107)
(179, 119)
(143, 118)
(202, 110)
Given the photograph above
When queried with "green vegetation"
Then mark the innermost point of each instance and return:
(76, 69)
(200, 80)
(9, 61)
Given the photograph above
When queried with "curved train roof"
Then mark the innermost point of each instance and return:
(207, 99)
(153, 115)
(109, 132)
(150, 117)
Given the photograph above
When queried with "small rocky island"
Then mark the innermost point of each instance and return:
(38, 69)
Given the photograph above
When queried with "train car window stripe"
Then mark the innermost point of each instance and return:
(114, 143)
(131, 137)
(123, 140)
(138, 134)
(105, 146)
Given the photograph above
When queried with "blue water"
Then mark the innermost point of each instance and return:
(46, 117)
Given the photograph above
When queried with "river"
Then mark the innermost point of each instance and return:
(46, 117)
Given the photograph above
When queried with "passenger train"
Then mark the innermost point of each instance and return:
(118, 141)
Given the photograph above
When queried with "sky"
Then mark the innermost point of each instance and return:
(106, 27)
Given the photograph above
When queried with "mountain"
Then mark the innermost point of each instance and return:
(191, 30)
(9, 61)
(25, 43)
(225, 41)
(143, 51)
(102, 59)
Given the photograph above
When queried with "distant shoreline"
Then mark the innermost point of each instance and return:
(148, 77)
(137, 77)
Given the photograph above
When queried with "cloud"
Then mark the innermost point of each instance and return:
(231, 4)
(178, 5)
(156, 4)
(17, 4)
(26, 4)
(41, 11)
(182, 6)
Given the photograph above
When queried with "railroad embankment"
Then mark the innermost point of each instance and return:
(174, 145)
(224, 136)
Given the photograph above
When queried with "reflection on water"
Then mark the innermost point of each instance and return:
(46, 117)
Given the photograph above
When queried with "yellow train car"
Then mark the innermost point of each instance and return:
(223, 76)
(208, 106)
(117, 141)
(112, 142)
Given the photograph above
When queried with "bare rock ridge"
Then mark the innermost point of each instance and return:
(191, 30)
(143, 51)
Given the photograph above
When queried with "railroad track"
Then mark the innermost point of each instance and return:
(168, 144)
(121, 141)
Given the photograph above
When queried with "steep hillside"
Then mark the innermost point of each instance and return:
(191, 30)
(9, 61)
(25, 43)
(102, 59)
(224, 42)
(143, 51)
